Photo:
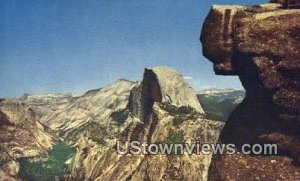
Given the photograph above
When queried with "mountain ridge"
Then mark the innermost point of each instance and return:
(147, 110)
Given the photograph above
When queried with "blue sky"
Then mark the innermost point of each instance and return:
(76, 45)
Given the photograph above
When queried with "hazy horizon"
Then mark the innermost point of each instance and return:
(75, 46)
(84, 91)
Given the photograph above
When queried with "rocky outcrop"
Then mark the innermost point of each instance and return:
(21, 136)
(261, 45)
(162, 106)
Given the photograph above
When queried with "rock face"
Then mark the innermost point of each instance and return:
(21, 136)
(261, 45)
(167, 85)
(161, 107)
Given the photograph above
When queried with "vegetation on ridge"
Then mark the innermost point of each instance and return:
(120, 116)
(180, 114)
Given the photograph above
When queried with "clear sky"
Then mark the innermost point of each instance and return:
(76, 45)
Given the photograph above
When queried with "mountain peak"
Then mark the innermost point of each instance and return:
(167, 85)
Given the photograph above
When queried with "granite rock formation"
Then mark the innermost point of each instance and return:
(162, 107)
(171, 86)
(261, 45)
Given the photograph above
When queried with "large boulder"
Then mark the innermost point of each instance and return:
(261, 45)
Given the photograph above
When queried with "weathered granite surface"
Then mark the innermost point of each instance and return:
(261, 45)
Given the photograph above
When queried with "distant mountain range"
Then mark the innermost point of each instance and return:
(219, 103)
